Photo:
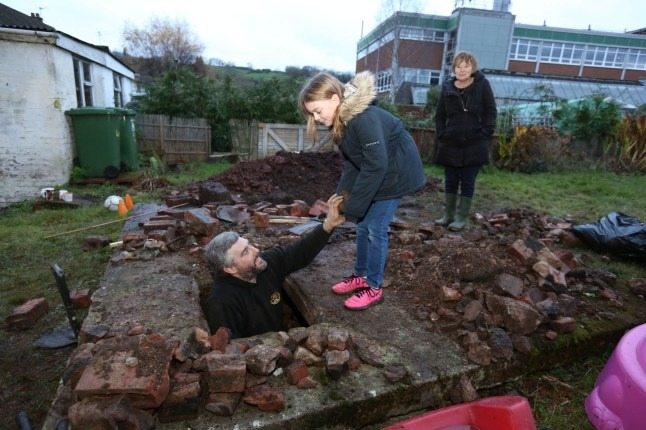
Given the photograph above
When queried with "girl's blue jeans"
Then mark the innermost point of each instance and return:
(372, 241)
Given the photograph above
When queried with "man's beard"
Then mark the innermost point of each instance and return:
(259, 267)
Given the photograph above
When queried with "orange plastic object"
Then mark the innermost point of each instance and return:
(129, 202)
(491, 413)
(122, 210)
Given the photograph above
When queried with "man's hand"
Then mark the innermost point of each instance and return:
(334, 216)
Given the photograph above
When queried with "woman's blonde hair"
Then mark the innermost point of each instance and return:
(322, 86)
(468, 58)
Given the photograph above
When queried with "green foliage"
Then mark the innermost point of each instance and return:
(182, 93)
(78, 174)
(529, 149)
(432, 98)
(627, 151)
(593, 121)
(179, 93)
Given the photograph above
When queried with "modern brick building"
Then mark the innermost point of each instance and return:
(409, 52)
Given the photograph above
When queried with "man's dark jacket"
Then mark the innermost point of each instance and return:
(248, 309)
(465, 123)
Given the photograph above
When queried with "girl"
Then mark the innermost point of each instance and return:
(381, 164)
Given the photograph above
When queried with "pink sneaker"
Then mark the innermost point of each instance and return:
(364, 298)
(349, 284)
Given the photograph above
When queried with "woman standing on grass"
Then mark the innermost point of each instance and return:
(381, 165)
(465, 123)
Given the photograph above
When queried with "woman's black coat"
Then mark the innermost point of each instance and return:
(465, 123)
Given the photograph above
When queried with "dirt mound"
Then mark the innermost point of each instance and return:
(285, 177)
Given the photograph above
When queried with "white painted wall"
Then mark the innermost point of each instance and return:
(36, 88)
(35, 143)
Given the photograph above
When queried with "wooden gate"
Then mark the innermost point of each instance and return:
(253, 140)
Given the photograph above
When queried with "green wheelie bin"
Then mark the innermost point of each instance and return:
(97, 136)
(128, 142)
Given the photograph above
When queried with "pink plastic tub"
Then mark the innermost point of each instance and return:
(618, 400)
(491, 413)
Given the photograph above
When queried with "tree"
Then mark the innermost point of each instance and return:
(164, 44)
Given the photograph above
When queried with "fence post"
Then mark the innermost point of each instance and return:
(265, 138)
(161, 134)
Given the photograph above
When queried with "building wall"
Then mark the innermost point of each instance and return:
(521, 66)
(487, 35)
(635, 75)
(601, 73)
(36, 142)
(558, 69)
(421, 55)
(377, 60)
(104, 67)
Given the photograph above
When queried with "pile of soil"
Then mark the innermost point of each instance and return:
(285, 177)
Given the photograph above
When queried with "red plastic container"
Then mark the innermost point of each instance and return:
(491, 413)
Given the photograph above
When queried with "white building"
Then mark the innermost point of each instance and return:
(43, 73)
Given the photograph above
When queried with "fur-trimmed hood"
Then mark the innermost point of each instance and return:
(358, 94)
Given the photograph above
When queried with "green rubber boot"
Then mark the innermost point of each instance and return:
(449, 210)
(462, 214)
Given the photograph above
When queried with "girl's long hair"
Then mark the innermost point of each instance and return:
(322, 86)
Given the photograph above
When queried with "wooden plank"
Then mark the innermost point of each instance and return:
(277, 138)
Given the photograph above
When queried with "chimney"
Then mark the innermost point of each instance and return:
(37, 16)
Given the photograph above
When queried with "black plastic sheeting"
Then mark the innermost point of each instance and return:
(616, 233)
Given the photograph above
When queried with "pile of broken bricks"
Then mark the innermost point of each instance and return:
(132, 381)
(192, 220)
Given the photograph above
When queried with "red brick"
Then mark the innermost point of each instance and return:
(220, 340)
(296, 371)
(226, 372)
(223, 404)
(136, 366)
(261, 219)
(26, 315)
(520, 251)
(201, 222)
(80, 298)
(266, 398)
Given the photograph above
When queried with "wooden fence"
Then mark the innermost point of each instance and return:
(426, 143)
(174, 140)
(184, 140)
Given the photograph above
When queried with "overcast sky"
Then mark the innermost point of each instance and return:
(274, 34)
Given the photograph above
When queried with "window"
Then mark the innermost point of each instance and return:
(573, 53)
(522, 49)
(84, 83)
(423, 34)
(421, 76)
(384, 81)
(118, 94)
